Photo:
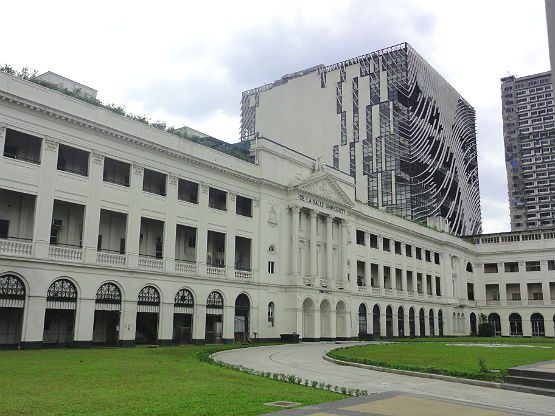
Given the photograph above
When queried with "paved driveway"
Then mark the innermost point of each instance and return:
(410, 394)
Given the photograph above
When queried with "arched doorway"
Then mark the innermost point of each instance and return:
(107, 309)
(376, 320)
(214, 318)
(431, 322)
(12, 304)
(412, 324)
(341, 320)
(241, 323)
(463, 323)
(362, 322)
(148, 310)
(59, 319)
(440, 322)
(183, 307)
(538, 326)
(401, 322)
(456, 322)
(495, 321)
(389, 322)
(325, 320)
(473, 330)
(422, 322)
(515, 325)
(308, 320)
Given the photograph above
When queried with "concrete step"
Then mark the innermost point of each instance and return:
(528, 389)
(517, 372)
(531, 382)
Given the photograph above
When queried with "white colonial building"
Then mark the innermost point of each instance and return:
(114, 232)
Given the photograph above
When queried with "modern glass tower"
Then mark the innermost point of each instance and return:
(388, 119)
(529, 136)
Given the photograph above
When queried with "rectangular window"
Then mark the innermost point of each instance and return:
(511, 267)
(336, 156)
(154, 182)
(418, 253)
(428, 256)
(386, 244)
(217, 199)
(116, 171)
(352, 160)
(533, 266)
(71, 159)
(408, 250)
(361, 238)
(22, 146)
(490, 268)
(550, 264)
(271, 267)
(398, 247)
(436, 258)
(4, 227)
(243, 206)
(373, 241)
(187, 191)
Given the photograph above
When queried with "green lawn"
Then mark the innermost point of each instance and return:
(436, 356)
(137, 381)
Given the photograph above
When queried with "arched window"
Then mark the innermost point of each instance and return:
(108, 293)
(271, 310)
(184, 298)
(362, 320)
(149, 296)
(11, 287)
(215, 300)
(495, 320)
(538, 327)
(62, 289)
(469, 267)
(515, 325)
(272, 249)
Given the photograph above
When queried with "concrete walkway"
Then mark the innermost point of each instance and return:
(389, 394)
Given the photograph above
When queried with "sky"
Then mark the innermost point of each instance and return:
(187, 63)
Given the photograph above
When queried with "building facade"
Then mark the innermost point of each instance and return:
(390, 121)
(529, 137)
(116, 233)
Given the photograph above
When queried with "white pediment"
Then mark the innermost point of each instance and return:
(322, 186)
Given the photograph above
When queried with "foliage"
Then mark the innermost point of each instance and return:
(485, 329)
(235, 150)
(138, 381)
(438, 357)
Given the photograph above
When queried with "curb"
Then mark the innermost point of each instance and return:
(479, 383)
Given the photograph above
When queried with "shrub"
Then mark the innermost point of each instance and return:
(485, 329)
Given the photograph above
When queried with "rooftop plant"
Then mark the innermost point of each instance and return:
(236, 150)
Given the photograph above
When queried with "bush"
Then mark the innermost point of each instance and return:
(485, 330)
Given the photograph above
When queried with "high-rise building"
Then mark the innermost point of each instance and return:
(389, 120)
(550, 17)
(529, 135)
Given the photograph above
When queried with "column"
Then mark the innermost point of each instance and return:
(313, 256)
(344, 252)
(329, 248)
(33, 327)
(433, 285)
(415, 282)
(229, 324)
(404, 281)
(202, 235)
(45, 199)
(446, 276)
(84, 321)
(230, 237)
(406, 323)
(128, 323)
(502, 293)
(170, 224)
(165, 333)
(91, 221)
(426, 324)
(383, 323)
(416, 323)
(199, 324)
(2, 137)
(369, 321)
(524, 293)
(134, 219)
(333, 324)
(295, 209)
(395, 324)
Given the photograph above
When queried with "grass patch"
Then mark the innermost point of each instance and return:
(138, 381)
(437, 357)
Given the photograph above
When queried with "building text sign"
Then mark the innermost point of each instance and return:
(321, 204)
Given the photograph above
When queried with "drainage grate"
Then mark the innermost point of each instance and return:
(282, 404)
